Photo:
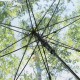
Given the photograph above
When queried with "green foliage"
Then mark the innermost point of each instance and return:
(18, 9)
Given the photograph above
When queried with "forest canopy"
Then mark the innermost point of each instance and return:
(39, 40)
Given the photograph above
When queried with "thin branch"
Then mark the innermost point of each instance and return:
(27, 62)
(22, 57)
(14, 50)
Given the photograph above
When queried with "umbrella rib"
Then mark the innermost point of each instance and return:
(13, 29)
(32, 12)
(29, 14)
(61, 28)
(66, 26)
(12, 44)
(45, 14)
(47, 64)
(44, 64)
(27, 62)
(60, 22)
(64, 45)
(51, 18)
(22, 57)
(13, 26)
(14, 50)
